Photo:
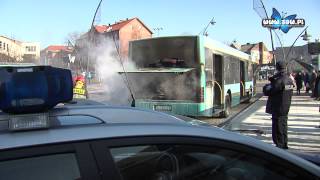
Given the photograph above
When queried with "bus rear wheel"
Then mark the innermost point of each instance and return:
(249, 96)
(227, 111)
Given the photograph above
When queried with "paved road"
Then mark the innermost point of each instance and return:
(303, 119)
(98, 92)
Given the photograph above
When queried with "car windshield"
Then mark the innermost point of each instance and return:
(205, 60)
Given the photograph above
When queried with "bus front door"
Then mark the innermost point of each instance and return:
(242, 79)
(218, 74)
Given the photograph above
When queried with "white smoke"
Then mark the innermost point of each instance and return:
(108, 65)
(114, 88)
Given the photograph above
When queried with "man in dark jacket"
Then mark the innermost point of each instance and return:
(279, 93)
(298, 80)
(313, 82)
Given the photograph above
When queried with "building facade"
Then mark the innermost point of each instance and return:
(299, 53)
(259, 52)
(121, 32)
(31, 52)
(16, 51)
(57, 56)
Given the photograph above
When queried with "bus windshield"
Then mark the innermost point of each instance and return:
(179, 52)
(166, 68)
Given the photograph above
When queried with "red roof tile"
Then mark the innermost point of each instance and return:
(117, 26)
(113, 27)
(58, 48)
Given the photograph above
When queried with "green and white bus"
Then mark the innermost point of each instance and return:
(189, 75)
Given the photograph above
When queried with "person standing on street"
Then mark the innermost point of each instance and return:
(279, 93)
(313, 82)
(317, 87)
(298, 80)
(306, 82)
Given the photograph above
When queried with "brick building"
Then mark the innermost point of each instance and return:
(122, 32)
(56, 55)
(259, 51)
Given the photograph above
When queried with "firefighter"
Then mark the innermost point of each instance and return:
(80, 88)
(279, 93)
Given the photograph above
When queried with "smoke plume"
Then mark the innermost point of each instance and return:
(114, 88)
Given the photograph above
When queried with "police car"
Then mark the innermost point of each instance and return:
(46, 135)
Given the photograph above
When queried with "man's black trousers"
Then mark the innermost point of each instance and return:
(280, 131)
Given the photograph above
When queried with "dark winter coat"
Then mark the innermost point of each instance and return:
(298, 80)
(279, 94)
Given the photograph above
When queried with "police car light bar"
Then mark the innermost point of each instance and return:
(33, 89)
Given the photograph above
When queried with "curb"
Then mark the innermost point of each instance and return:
(229, 119)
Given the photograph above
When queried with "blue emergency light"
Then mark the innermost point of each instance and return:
(33, 89)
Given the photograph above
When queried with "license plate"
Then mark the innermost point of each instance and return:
(162, 107)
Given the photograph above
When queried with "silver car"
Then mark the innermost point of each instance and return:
(88, 140)
(45, 135)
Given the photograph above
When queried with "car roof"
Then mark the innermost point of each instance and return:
(115, 114)
(129, 122)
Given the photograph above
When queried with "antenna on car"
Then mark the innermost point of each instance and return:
(125, 72)
(127, 82)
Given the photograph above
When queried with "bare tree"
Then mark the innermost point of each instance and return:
(72, 37)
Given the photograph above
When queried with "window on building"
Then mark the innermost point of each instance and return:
(31, 48)
(0, 44)
(4, 46)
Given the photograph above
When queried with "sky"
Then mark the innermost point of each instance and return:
(50, 22)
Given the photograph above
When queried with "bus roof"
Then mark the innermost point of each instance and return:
(165, 37)
(219, 47)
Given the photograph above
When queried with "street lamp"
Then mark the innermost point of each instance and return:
(306, 36)
(204, 31)
(300, 35)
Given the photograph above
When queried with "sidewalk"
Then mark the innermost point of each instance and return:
(303, 119)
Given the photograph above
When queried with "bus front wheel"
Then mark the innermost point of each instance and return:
(227, 111)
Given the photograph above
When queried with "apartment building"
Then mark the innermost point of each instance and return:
(12, 50)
